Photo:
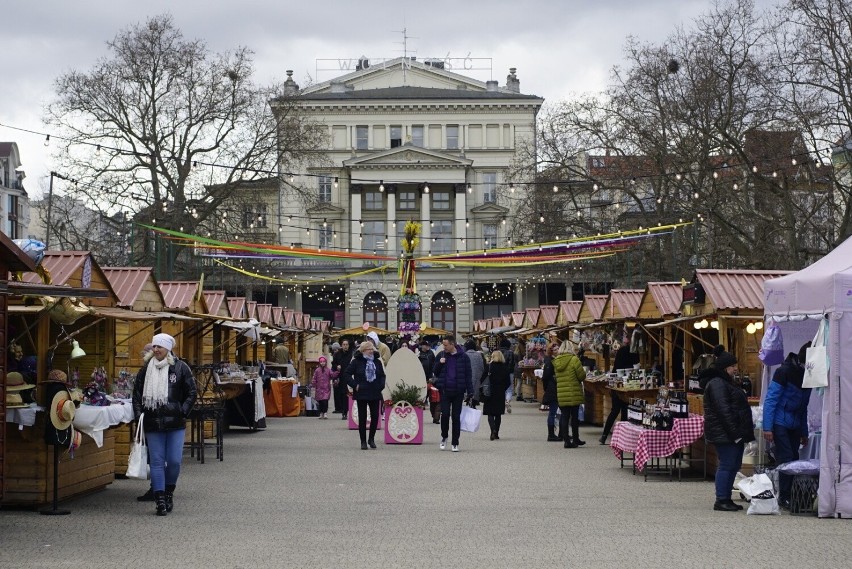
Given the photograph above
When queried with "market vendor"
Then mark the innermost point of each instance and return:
(624, 359)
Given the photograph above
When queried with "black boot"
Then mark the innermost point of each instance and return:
(602, 440)
(569, 443)
(160, 500)
(371, 443)
(170, 497)
(551, 436)
(725, 506)
(147, 496)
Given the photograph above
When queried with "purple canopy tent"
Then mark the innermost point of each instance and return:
(798, 302)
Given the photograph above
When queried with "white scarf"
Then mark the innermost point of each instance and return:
(155, 392)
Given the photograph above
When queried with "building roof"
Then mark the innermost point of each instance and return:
(667, 296)
(127, 282)
(416, 93)
(178, 295)
(623, 303)
(549, 312)
(594, 304)
(264, 313)
(236, 306)
(735, 289)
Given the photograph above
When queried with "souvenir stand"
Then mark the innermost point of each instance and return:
(661, 301)
(186, 298)
(77, 337)
(233, 345)
(798, 303)
(585, 321)
(721, 307)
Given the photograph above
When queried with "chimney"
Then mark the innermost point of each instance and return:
(290, 86)
(512, 82)
(491, 86)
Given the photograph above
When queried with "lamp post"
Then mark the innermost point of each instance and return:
(50, 207)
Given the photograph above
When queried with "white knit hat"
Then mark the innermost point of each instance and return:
(164, 341)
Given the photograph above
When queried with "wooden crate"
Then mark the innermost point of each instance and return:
(29, 466)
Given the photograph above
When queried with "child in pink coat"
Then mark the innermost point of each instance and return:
(321, 382)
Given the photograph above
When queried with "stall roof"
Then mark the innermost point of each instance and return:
(37, 289)
(593, 304)
(126, 314)
(236, 306)
(623, 303)
(127, 282)
(502, 330)
(570, 310)
(735, 289)
(214, 300)
(15, 259)
(667, 296)
(359, 331)
(60, 265)
(179, 295)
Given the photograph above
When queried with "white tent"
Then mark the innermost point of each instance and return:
(798, 303)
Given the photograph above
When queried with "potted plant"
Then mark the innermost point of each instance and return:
(404, 415)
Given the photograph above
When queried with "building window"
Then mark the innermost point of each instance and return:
(13, 231)
(444, 311)
(254, 216)
(417, 135)
(324, 181)
(395, 136)
(489, 187)
(407, 200)
(489, 235)
(326, 236)
(452, 137)
(361, 137)
(373, 200)
(441, 200)
(376, 310)
(598, 162)
(373, 237)
(442, 236)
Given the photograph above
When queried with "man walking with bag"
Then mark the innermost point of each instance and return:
(453, 378)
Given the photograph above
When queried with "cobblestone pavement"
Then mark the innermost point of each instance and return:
(303, 494)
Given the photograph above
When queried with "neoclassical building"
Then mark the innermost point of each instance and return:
(408, 140)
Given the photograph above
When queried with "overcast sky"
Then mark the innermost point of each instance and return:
(559, 47)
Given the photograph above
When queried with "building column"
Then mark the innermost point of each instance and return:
(461, 217)
(425, 218)
(355, 216)
(392, 246)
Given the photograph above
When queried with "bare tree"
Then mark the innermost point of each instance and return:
(165, 130)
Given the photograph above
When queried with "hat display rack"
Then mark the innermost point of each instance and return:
(58, 432)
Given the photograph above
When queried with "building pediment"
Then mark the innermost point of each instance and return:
(325, 209)
(407, 156)
(489, 209)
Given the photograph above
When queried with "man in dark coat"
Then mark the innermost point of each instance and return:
(727, 424)
(339, 362)
(624, 359)
(453, 378)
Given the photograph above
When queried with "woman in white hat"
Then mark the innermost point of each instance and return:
(165, 392)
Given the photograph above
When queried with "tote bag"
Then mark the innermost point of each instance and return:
(470, 419)
(816, 360)
(137, 464)
(772, 346)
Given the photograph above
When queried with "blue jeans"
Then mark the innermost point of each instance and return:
(551, 414)
(451, 406)
(165, 451)
(786, 450)
(730, 461)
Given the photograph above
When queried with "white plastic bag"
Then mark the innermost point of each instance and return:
(759, 490)
(137, 464)
(470, 418)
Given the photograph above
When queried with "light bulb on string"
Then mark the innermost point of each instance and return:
(335, 182)
(381, 185)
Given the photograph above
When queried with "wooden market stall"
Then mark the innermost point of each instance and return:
(622, 309)
(661, 301)
(185, 297)
(235, 345)
(47, 334)
(589, 317)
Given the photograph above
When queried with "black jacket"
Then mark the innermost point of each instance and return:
(498, 376)
(727, 414)
(427, 360)
(355, 376)
(548, 381)
(462, 382)
(173, 414)
(624, 358)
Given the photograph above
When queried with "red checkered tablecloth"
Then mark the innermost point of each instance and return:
(646, 443)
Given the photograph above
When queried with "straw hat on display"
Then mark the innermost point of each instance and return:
(15, 382)
(14, 401)
(57, 375)
(62, 410)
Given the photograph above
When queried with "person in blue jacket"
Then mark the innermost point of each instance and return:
(785, 415)
(454, 380)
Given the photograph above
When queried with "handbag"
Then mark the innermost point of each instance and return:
(816, 360)
(772, 346)
(485, 388)
(137, 464)
(470, 418)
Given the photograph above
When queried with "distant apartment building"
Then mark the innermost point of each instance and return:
(14, 202)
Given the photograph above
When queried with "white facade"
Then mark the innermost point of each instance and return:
(410, 141)
(14, 202)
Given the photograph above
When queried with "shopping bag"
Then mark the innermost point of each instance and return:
(470, 419)
(760, 491)
(772, 346)
(816, 360)
(137, 464)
